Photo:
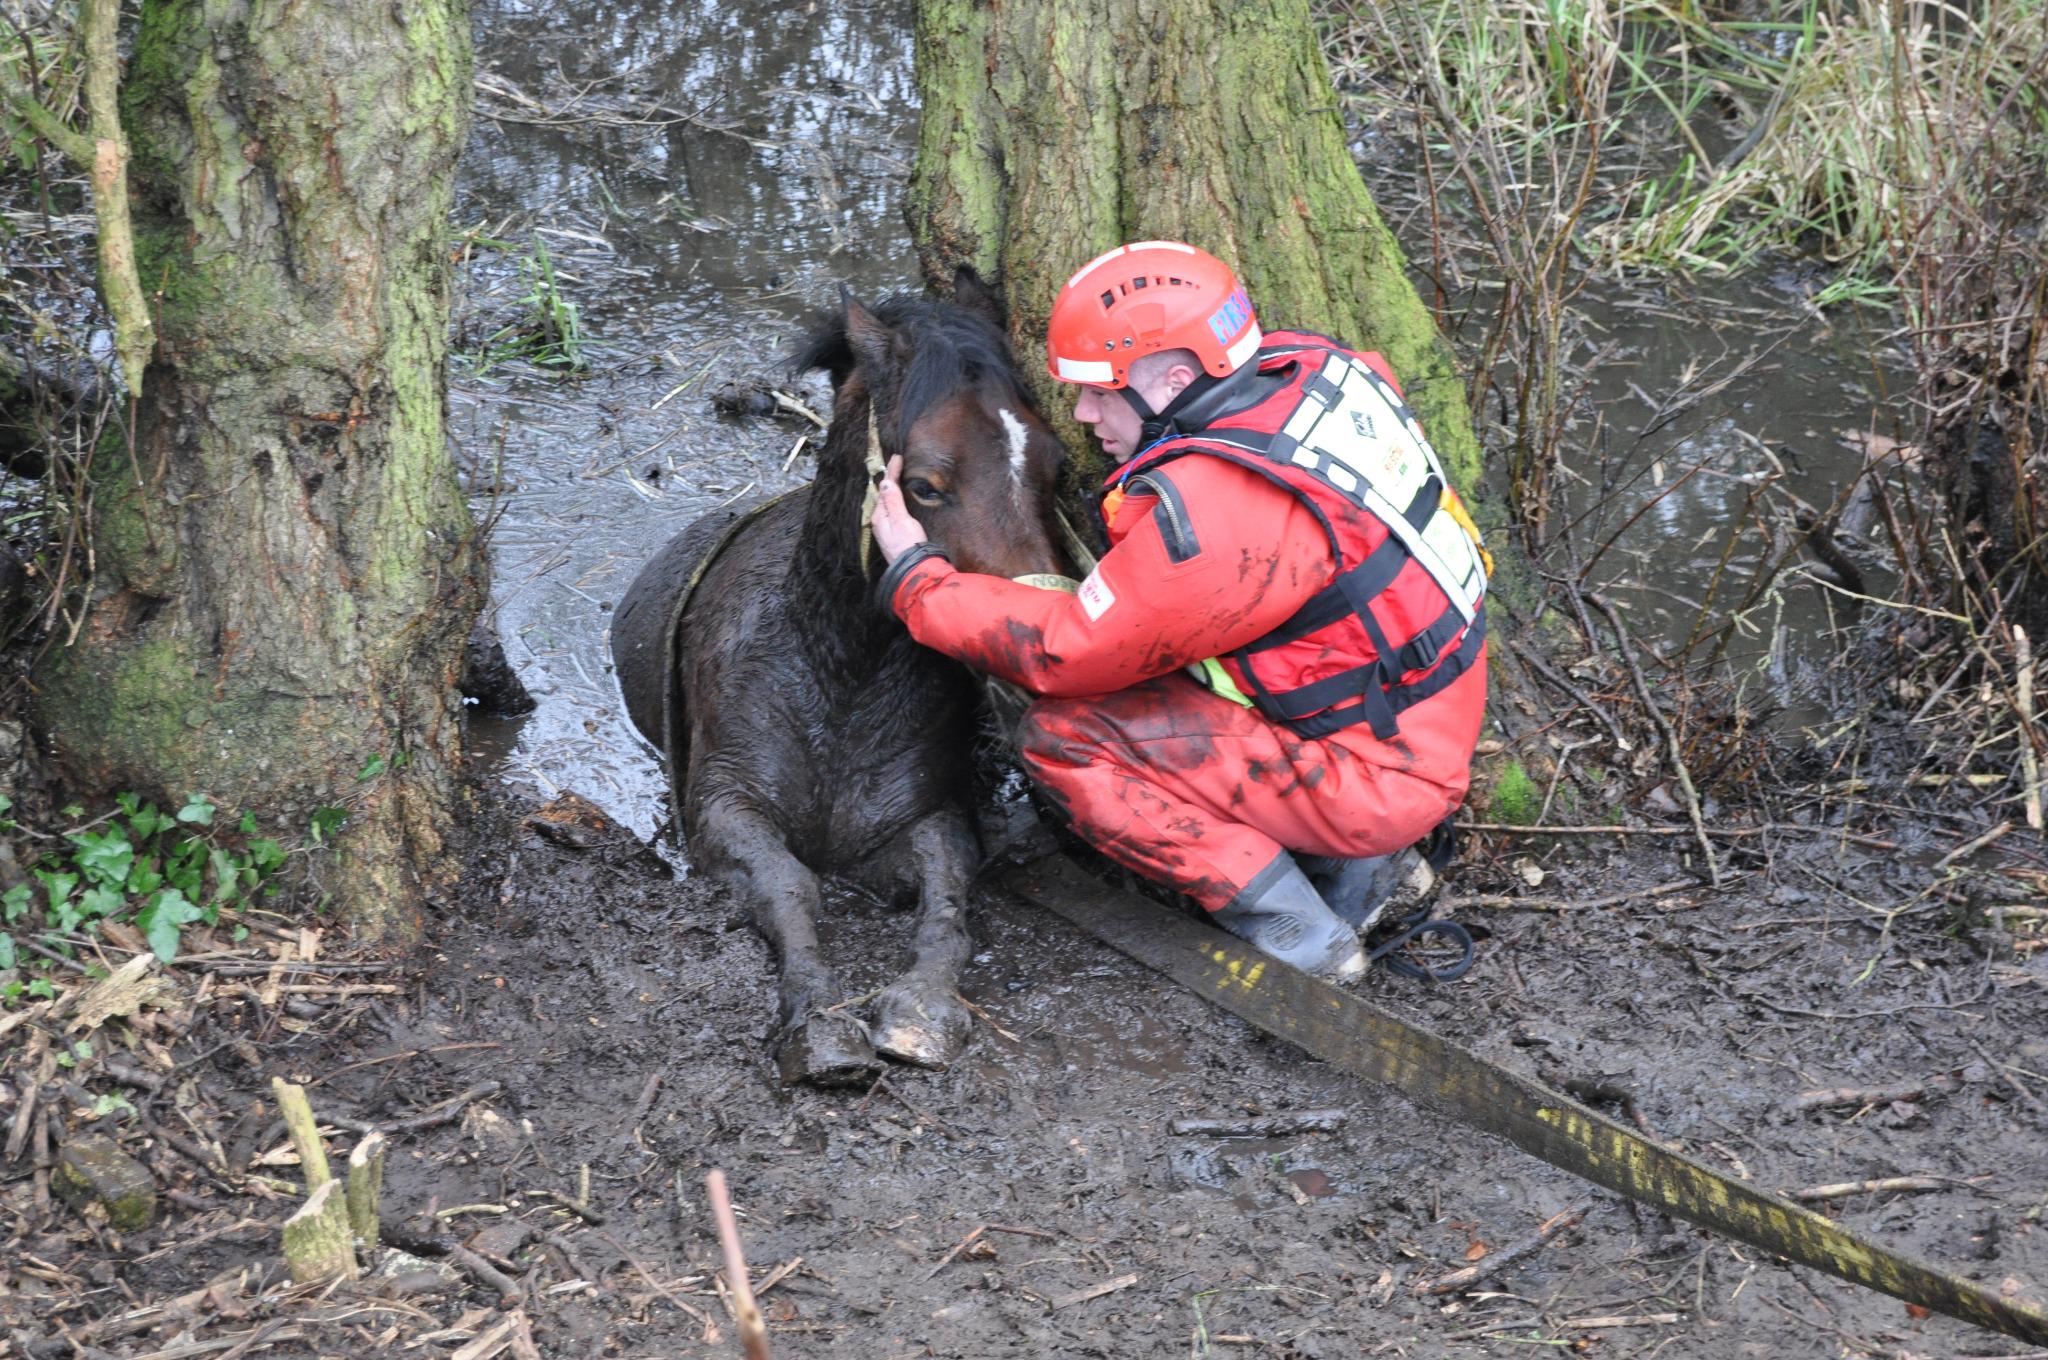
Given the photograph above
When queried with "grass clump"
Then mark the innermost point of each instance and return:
(1514, 798)
(548, 332)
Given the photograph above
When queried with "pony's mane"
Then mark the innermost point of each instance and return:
(950, 348)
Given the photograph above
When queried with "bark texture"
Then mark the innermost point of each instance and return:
(285, 567)
(1055, 129)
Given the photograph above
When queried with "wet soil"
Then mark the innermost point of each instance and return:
(623, 1013)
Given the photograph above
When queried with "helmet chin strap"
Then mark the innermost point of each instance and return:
(1154, 426)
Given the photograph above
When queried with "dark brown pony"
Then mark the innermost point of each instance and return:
(808, 734)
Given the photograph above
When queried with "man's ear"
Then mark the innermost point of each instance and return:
(1179, 377)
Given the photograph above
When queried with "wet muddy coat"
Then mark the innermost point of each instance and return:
(1182, 786)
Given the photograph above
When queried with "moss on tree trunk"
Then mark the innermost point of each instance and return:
(1055, 129)
(285, 567)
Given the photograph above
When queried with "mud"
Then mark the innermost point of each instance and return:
(625, 1016)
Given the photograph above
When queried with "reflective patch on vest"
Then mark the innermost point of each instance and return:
(1382, 465)
(1095, 596)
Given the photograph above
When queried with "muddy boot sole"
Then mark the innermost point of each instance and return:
(828, 1050)
(910, 1031)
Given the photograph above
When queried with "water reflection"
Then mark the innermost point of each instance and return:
(694, 248)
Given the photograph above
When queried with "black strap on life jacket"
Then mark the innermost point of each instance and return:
(1374, 692)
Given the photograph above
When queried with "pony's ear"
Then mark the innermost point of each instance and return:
(869, 337)
(973, 294)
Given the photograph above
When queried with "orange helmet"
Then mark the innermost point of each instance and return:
(1141, 299)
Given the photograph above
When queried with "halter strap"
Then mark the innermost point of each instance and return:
(877, 468)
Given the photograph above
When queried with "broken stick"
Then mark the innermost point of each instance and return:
(753, 1330)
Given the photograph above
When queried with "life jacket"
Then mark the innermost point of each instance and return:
(1404, 615)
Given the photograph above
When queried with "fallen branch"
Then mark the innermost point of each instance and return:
(1272, 1126)
(434, 1115)
(753, 1329)
(1093, 1291)
(1835, 1097)
(1507, 1256)
(2023, 699)
(1885, 1186)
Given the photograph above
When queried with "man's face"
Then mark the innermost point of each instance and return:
(1110, 414)
(1106, 411)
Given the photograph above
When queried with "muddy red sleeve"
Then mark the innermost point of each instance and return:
(1231, 558)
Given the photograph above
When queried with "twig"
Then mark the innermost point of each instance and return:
(437, 1114)
(958, 1247)
(1093, 1291)
(1969, 848)
(1509, 902)
(1839, 1096)
(1725, 833)
(1507, 1256)
(2030, 766)
(1676, 751)
(753, 1330)
(1275, 1126)
(1888, 1185)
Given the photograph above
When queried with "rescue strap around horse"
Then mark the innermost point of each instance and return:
(1343, 1028)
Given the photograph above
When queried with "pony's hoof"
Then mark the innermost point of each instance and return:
(919, 1027)
(828, 1050)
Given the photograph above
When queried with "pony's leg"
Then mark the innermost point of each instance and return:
(825, 1048)
(919, 1018)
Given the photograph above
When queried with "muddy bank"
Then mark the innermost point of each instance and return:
(623, 1016)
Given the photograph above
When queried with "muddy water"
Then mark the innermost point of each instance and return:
(695, 249)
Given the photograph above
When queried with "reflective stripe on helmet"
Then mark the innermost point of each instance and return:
(1085, 370)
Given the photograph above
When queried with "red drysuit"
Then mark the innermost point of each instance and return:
(1161, 775)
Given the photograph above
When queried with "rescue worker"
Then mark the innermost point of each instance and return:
(1278, 666)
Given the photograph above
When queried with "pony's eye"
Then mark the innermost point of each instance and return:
(923, 492)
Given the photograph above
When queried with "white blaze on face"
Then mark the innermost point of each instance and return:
(1018, 435)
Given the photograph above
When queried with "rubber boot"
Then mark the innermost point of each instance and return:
(1360, 890)
(1279, 913)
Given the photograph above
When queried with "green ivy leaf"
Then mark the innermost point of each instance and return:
(248, 824)
(101, 902)
(267, 855)
(326, 820)
(227, 873)
(372, 767)
(105, 857)
(59, 886)
(197, 810)
(14, 902)
(41, 988)
(168, 913)
(6, 951)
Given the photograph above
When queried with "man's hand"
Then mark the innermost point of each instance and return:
(896, 529)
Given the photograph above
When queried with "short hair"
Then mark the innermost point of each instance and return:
(1147, 367)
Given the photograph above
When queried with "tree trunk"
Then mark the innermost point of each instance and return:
(285, 567)
(1056, 129)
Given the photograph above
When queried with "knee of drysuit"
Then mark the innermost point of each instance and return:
(1057, 734)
